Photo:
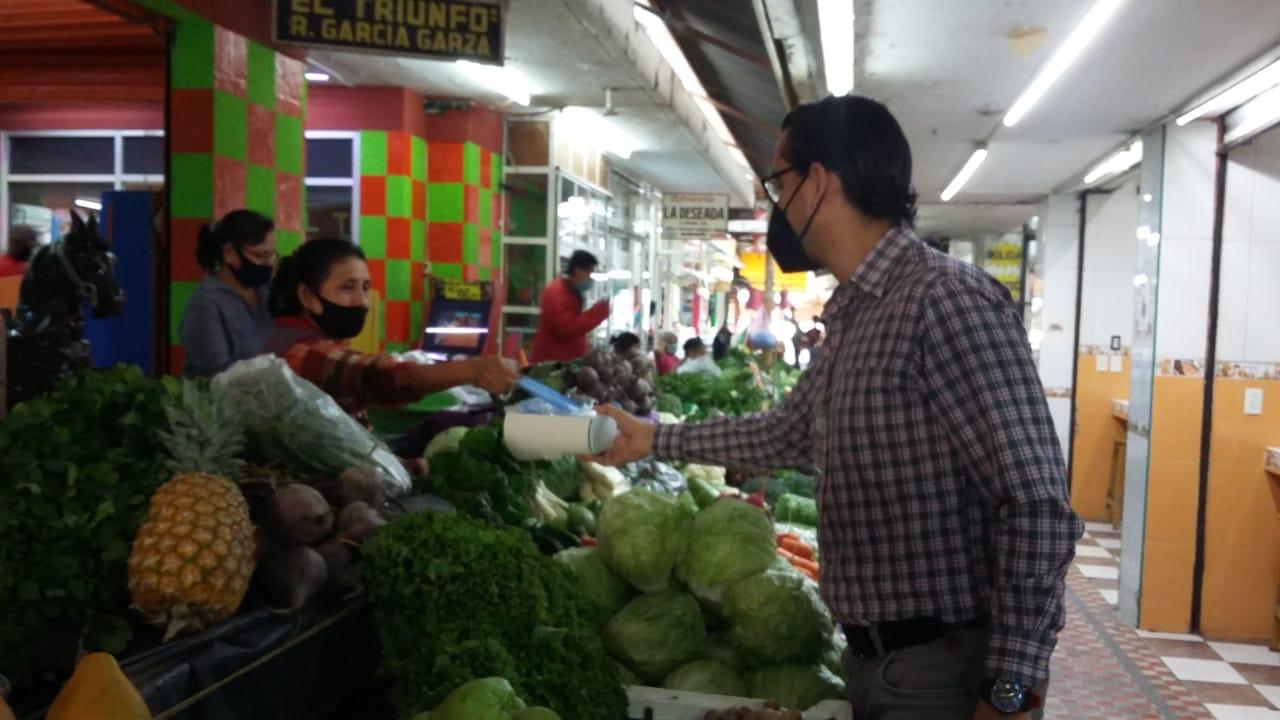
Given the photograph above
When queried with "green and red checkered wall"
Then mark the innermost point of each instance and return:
(236, 114)
(393, 217)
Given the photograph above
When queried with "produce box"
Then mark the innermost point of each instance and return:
(647, 703)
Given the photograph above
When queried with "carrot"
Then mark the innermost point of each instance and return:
(797, 547)
(798, 562)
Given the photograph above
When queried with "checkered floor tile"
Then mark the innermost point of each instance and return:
(1234, 681)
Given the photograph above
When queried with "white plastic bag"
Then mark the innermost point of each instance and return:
(300, 424)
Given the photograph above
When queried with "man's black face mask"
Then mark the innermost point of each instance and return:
(784, 244)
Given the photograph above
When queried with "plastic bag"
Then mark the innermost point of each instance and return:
(659, 477)
(298, 423)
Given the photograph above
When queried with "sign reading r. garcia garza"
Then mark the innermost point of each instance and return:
(458, 29)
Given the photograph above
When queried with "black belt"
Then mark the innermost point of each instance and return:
(900, 634)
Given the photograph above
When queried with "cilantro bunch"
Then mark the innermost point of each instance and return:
(456, 600)
(78, 467)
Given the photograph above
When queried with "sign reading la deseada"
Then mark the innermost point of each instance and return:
(694, 216)
(438, 29)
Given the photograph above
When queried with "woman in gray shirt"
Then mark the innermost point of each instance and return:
(226, 319)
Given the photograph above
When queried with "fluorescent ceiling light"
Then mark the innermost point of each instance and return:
(500, 79)
(970, 167)
(1255, 115)
(585, 124)
(1116, 164)
(88, 204)
(835, 25)
(1062, 58)
(1237, 94)
(316, 76)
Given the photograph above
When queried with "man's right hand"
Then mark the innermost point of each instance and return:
(635, 438)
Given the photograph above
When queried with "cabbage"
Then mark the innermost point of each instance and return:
(626, 675)
(446, 441)
(777, 617)
(655, 634)
(718, 648)
(598, 583)
(488, 699)
(729, 541)
(833, 656)
(798, 687)
(641, 534)
(711, 677)
(534, 713)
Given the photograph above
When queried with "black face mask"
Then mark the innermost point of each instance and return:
(340, 321)
(250, 274)
(784, 244)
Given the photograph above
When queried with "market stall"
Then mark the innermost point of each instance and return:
(243, 548)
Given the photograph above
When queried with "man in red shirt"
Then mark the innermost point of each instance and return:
(562, 324)
(22, 245)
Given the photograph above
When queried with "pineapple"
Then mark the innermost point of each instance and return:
(191, 561)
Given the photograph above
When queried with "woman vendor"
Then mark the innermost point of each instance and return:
(320, 298)
(226, 319)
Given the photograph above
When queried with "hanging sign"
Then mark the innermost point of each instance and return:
(694, 216)
(453, 29)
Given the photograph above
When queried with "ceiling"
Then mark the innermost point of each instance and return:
(68, 50)
(948, 72)
(563, 63)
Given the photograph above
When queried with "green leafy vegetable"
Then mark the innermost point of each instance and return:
(78, 467)
(457, 601)
(729, 394)
(777, 617)
(655, 634)
(711, 677)
(447, 440)
(729, 541)
(784, 482)
(485, 699)
(796, 509)
(641, 535)
(798, 687)
(606, 591)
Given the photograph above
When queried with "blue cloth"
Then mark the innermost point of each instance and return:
(219, 328)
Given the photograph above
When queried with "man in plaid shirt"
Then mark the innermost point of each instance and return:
(944, 522)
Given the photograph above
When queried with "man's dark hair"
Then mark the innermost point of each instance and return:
(859, 140)
(694, 345)
(582, 260)
(625, 342)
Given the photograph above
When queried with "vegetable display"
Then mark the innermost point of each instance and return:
(79, 466)
(704, 396)
(776, 615)
(796, 509)
(604, 589)
(457, 601)
(796, 686)
(642, 534)
(607, 377)
(711, 677)
(654, 634)
(728, 541)
(486, 699)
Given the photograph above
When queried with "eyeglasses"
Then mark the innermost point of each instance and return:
(772, 186)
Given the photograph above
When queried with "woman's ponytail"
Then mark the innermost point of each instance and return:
(208, 248)
(283, 301)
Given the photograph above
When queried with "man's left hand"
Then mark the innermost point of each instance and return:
(984, 711)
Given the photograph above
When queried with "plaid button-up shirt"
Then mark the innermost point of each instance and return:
(941, 486)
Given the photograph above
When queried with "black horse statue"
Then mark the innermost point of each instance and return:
(46, 333)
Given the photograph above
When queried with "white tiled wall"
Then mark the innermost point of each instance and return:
(1060, 241)
(1249, 302)
(1186, 245)
(1110, 257)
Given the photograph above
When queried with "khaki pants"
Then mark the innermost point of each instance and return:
(936, 681)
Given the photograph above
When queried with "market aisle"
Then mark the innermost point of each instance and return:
(1103, 670)
(1235, 681)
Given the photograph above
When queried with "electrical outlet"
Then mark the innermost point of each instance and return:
(1102, 363)
(1115, 343)
(1253, 401)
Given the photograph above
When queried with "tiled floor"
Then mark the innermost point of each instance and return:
(1234, 681)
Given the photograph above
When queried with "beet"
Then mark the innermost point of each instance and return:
(358, 521)
(291, 576)
(640, 389)
(298, 515)
(362, 484)
(587, 377)
(340, 560)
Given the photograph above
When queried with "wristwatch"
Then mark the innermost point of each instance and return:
(1008, 697)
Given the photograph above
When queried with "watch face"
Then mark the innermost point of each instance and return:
(1007, 697)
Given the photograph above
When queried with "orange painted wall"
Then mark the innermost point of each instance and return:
(1242, 534)
(1172, 498)
(1096, 430)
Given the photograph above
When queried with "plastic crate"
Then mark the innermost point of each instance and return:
(647, 703)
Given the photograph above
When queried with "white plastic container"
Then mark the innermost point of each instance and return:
(548, 437)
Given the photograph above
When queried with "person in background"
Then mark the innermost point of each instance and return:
(319, 300)
(226, 319)
(664, 355)
(626, 343)
(563, 324)
(943, 512)
(23, 242)
(722, 342)
(697, 359)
